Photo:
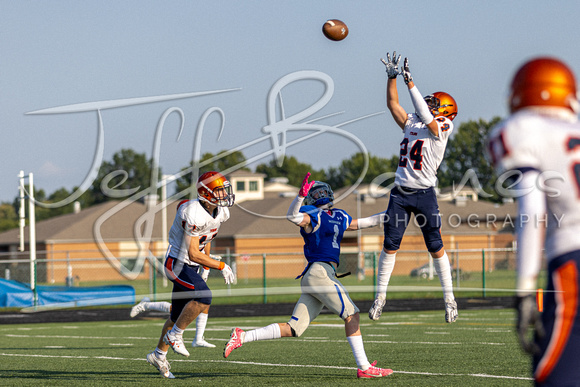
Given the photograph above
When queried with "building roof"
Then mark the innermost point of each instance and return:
(116, 220)
(113, 220)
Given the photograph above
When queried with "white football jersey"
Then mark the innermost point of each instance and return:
(421, 152)
(550, 146)
(193, 219)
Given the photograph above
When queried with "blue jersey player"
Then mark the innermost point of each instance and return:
(322, 228)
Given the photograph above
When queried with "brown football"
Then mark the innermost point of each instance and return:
(335, 29)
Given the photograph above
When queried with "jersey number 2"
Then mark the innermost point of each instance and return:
(416, 154)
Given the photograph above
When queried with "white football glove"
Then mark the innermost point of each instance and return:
(228, 274)
(406, 72)
(392, 65)
(204, 273)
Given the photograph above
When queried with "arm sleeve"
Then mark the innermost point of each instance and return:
(420, 106)
(530, 237)
(294, 215)
(370, 221)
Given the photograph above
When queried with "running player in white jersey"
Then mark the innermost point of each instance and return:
(196, 224)
(425, 135)
(539, 144)
(163, 306)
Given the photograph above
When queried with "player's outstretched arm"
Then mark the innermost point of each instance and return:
(362, 223)
(418, 101)
(294, 215)
(392, 67)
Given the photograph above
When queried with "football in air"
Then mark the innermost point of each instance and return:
(335, 29)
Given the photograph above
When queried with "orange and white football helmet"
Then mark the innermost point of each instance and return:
(544, 82)
(442, 104)
(214, 188)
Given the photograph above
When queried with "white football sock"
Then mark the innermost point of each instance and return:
(358, 350)
(269, 332)
(385, 269)
(161, 306)
(160, 354)
(443, 269)
(177, 331)
(200, 323)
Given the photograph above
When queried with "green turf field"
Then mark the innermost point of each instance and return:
(480, 349)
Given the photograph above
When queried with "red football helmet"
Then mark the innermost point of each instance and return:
(543, 82)
(214, 188)
(442, 104)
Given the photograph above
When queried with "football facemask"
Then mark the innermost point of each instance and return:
(319, 195)
(442, 104)
(214, 188)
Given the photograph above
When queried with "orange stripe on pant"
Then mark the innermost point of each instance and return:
(172, 277)
(566, 287)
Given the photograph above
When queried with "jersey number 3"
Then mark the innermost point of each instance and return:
(415, 155)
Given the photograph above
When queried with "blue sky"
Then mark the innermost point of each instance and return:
(58, 53)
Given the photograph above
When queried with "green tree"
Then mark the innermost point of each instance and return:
(127, 171)
(466, 151)
(57, 196)
(350, 170)
(220, 162)
(292, 169)
(8, 217)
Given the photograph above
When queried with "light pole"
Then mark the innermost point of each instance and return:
(31, 229)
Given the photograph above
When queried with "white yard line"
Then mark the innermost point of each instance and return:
(265, 364)
(309, 339)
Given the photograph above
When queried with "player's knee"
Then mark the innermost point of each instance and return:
(353, 319)
(434, 246)
(297, 330)
(390, 245)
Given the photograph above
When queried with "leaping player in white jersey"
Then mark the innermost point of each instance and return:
(539, 143)
(196, 224)
(425, 137)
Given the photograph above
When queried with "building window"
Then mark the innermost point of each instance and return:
(240, 186)
(253, 185)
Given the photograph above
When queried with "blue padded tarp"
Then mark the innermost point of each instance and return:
(18, 294)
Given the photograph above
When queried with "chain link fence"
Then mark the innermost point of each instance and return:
(263, 278)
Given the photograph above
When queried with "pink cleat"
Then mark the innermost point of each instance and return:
(373, 372)
(236, 341)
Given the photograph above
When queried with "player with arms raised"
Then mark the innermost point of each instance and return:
(539, 144)
(322, 228)
(425, 135)
(196, 224)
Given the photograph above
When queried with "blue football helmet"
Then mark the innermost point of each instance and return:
(320, 194)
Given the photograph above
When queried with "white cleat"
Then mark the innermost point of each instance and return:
(450, 311)
(176, 343)
(202, 344)
(377, 308)
(162, 365)
(139, 308)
